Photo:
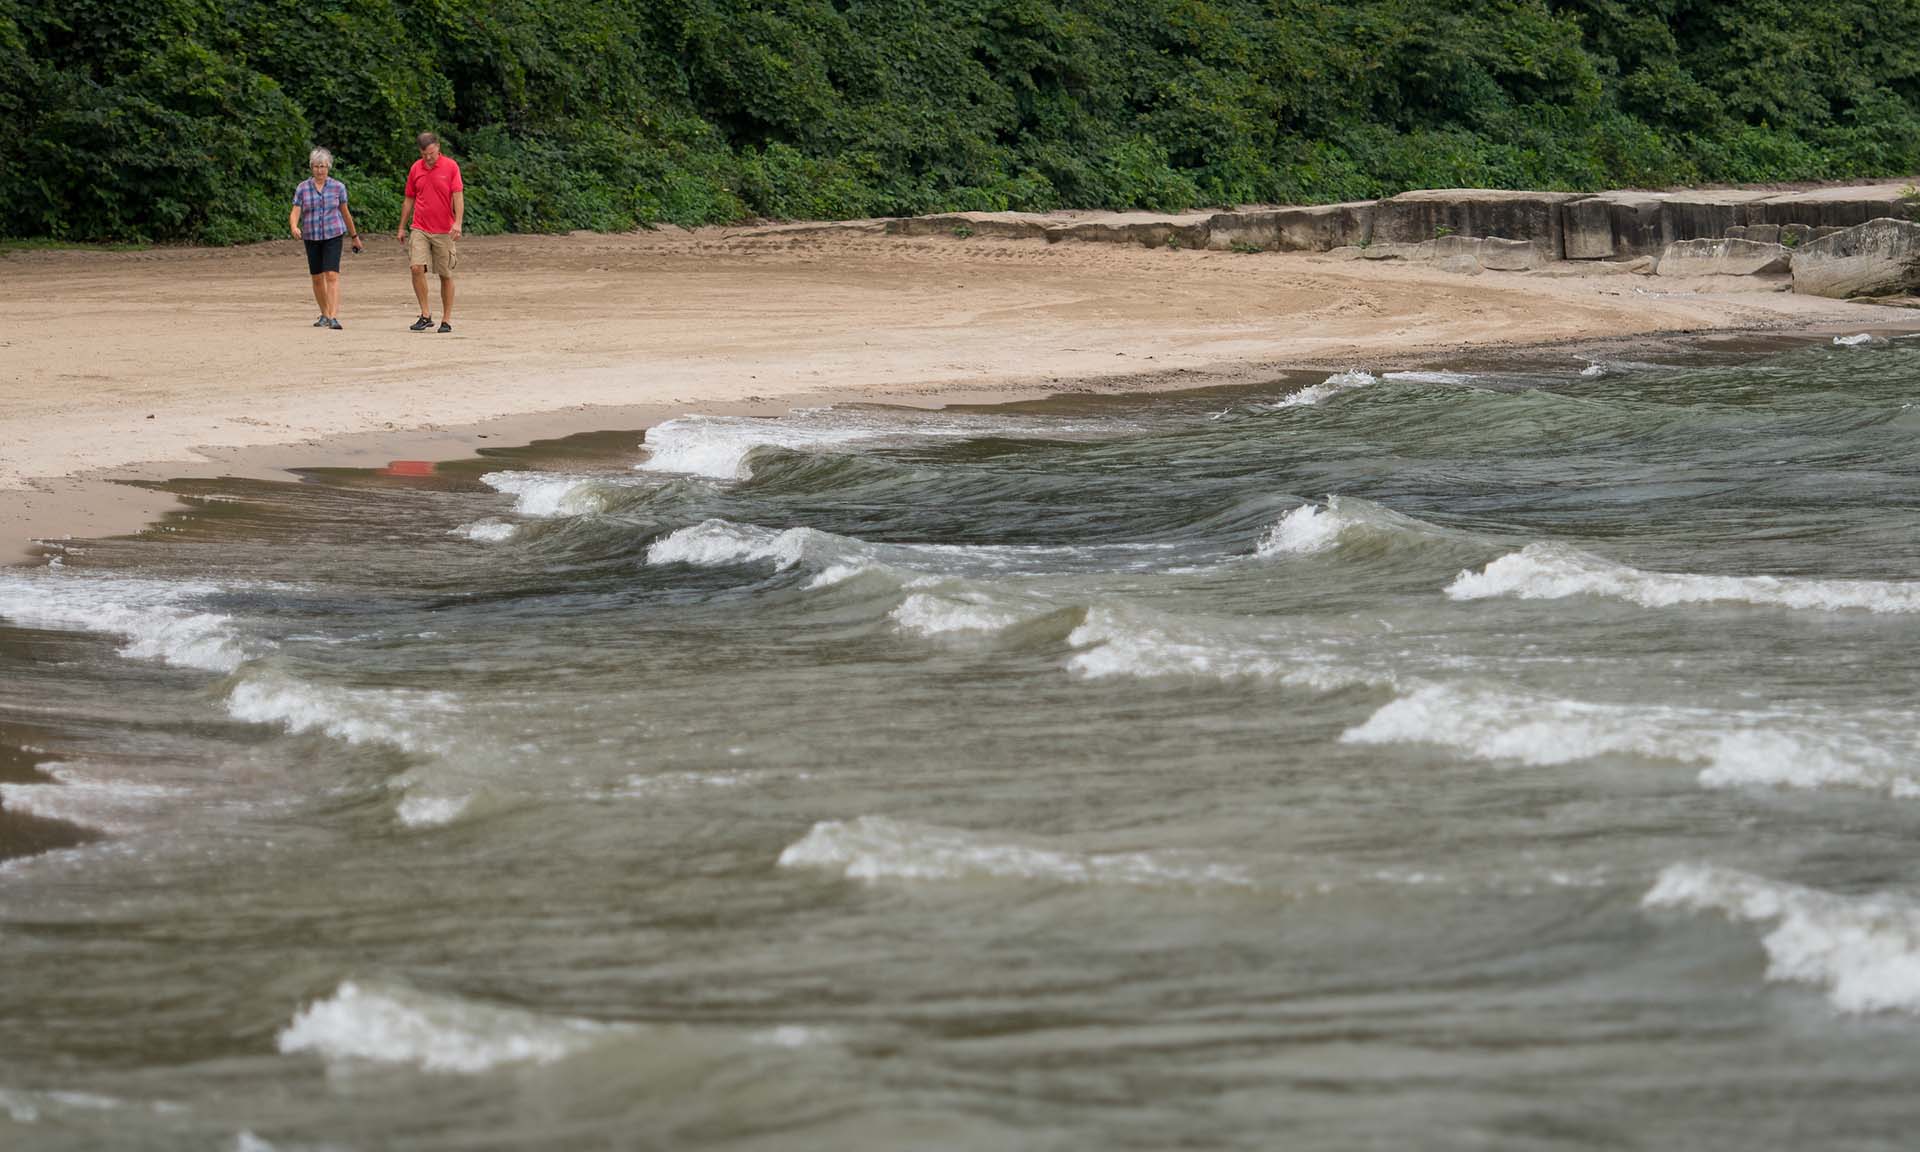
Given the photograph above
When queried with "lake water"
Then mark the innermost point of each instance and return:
(1514, 759)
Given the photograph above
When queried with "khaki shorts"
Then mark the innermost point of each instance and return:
(432, 248)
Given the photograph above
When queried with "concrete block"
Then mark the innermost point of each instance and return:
(1878, 258)
(1724, 257)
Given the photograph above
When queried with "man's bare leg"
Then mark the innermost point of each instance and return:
(320, 293)
(446, 298)
(420, 287)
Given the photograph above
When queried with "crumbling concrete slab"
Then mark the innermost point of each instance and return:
(1724, 257)
(1878, 258)
(1320, 228)
(1412, 217)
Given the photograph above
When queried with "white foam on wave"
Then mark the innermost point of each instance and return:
(80, 795)
(718, 446)
(1310, 528)
(1125, 642)
(1735, 749)
(1592, 371)
(547, 495)
(1857, 340)
(933, 614)
(1431, 377)
(714, 543)
(428, 811)
(1554, 571)
(438, 1034)
(1331, 386)
(485, 531)
(157, 619)
(875, 848)
(1864, 950)
(397, 717)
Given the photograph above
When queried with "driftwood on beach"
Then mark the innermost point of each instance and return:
(1837, 242)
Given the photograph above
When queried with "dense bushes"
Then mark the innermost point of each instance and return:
(189, 119)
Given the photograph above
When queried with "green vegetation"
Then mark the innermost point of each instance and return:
(190, 119)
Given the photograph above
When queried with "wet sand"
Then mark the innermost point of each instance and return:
(202, 362)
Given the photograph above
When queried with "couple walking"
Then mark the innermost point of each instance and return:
(435, 204)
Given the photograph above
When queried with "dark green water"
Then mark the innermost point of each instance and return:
(1446, 761)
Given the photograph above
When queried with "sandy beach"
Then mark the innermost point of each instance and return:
(178, 362)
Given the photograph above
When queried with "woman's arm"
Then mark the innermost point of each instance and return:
(353, 230)
(293, 221)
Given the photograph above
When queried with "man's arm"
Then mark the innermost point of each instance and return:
(459, 211)
(406, 214)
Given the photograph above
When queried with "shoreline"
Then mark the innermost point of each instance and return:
(572, 334)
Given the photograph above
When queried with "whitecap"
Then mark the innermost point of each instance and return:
(547, 495)
(1128, 642)
(1553, 571)
(421, 811)
(1331, 386)
(485, 531)
(391, 716)
(715, 543)
(1420, 377)
(157, 619)
(438, 1034)
(1855, 341)
(1864, 950)
(80, 795)
(938, 614)
(1594, 370)
(875, 848)
(1309, 528)
(1736, 749)
(718, 446)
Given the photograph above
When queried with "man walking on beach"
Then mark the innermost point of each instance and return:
(436, 203)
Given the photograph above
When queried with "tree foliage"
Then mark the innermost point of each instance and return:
(189, 119)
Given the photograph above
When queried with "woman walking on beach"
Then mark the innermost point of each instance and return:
(320, 218)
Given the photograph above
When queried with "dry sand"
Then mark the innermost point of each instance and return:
(202, 361)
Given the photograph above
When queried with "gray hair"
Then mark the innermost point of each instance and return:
(424, 139)
(320, 156)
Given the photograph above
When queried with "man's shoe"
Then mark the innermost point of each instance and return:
(445, 327)
(320, 323)
(422, 324)
(334, 323)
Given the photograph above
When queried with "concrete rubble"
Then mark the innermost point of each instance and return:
(1844, 241)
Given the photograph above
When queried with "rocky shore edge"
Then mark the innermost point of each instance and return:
(1860, 242)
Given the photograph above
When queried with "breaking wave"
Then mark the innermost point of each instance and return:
(436, 1033)
(485, 531)
(1735, 749)
(875, 848)
(546, 494)
(1331, 386)
(392, 716)
(1554, 571)
(1864, 950)
(157, 619)
(78, 796)
(1117, 641)
(1311, 528)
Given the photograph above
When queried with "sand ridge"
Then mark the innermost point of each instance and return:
(170, 357)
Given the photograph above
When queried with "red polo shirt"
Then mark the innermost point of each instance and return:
(432, 190)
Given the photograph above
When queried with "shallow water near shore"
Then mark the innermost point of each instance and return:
(1451, 759)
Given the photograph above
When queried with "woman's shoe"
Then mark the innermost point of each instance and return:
(445, 327)
(422, 324)
(333, 322)
(320, 323)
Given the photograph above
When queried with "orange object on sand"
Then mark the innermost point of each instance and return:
(408, 468)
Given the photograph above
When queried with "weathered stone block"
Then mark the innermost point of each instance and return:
(1321, 228)
(1588, 227)
(1794, 235)
(1723, 257)
(1535, 217)
(1764, 233)
(1013, 225)
(1703, 215)
(1831, 207)
(1152, 231)
(1878, 258)
(1737, 232)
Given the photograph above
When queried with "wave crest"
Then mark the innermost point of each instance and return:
(438, 1034)
(1736, 749)
(874, 848)
(1550, 571)
(156, 618)
(1864, 950)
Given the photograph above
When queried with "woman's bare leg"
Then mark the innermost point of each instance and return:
(320, 293)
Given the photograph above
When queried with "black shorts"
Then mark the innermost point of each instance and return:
(323, 255)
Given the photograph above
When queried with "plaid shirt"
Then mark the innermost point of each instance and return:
(320, 209)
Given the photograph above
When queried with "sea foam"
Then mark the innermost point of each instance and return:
(1864, 950)
(1735, 749)
(547, 495)
(1118, 641)
(157, 619)
(438, 1034)
(1310, 528)
(875, 848)
(485, 531)
(79, 795)
(1550, 571)
(718, 446)
(1331, 386)
(715, 543)
(391, 716)
(933, 614)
